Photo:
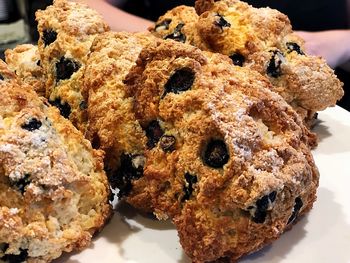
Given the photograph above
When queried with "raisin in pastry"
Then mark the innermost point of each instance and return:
(67, 30)
(24, 60)
(112, 124)
(226, 159)
(53, 190)
(234, 28)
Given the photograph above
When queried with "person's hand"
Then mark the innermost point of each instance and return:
(118, 19)
(332, 45)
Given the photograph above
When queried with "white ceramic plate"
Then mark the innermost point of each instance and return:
(323, 236)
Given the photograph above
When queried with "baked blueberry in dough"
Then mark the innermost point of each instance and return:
(53, 190)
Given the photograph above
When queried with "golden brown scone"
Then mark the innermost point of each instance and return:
(227, 159)
(112, 124)
(67, 30)
(305, 82)
(262, 39)
(24, 60)
(53, 190)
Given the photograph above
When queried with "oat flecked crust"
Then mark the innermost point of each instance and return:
(53, 190)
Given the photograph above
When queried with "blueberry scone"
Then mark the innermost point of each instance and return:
(67, 30)
(53, 190)
(226, 159)
(24, 60)
(112, 125)
(262, 39)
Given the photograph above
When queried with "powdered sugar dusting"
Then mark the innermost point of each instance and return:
(232, 125)
(14, 211)
(35, 154)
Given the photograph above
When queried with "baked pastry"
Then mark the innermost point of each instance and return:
(226, 159)
(112, 125)
(24, 60)
(234, 28)
(53, 190)
(67, 30)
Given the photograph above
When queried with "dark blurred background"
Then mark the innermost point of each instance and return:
(31, 7)
(17, 22)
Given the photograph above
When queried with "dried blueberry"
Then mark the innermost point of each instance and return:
(21, 257)
(216, 154)
(259, 211)
(180, 81)
(33, 124)
(131, 168)
(163, 25)
(4, 247)
(64, 107)
(167, 143)
(221, 22)
(65, 68)
(153, 132)
(274, 67)
(189, 186)
(96, 141)
(272, 196)
(237, 59)
(83, 105)
(294, 47)
(297, 206)
(38, 63)
(1, 77)
(21, 183)
(49, 36)
(177, 35)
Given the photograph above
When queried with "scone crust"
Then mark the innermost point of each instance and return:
(24, 60)
(53, 190)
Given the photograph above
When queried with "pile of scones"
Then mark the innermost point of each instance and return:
(205, 120)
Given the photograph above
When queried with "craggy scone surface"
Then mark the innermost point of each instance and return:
(67, 30)
(24, 60)
(227, 160)
(112, 124)
(261, 39)
(53, 190)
